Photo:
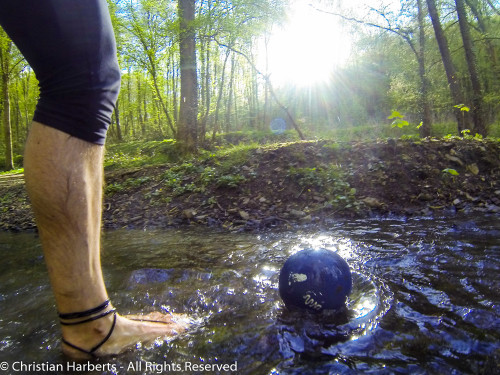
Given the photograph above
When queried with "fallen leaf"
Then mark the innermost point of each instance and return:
(473, 168)
(454, 159)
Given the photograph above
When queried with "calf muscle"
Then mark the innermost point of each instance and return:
(64, 181)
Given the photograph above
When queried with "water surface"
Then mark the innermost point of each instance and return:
(426, 299)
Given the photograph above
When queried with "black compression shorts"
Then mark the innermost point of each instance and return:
(71, 47)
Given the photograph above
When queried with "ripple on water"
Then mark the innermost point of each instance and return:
(425, 298)
(324, 334)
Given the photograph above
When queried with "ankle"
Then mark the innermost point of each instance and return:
(88, 330)
(81, 317)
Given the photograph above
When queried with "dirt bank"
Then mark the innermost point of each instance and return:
(294, 183)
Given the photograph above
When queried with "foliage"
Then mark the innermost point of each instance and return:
(224, 171)
(231, 181)
(12, 172)
(351, 104)
(398, 120)
(451, 171)
(129, 183)
(231, 158)
(465, 135)
(137, 153)
(462, 107)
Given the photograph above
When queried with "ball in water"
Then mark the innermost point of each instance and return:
(315, 280)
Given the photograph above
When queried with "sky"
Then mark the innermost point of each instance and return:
(311, 45)
(307, 48)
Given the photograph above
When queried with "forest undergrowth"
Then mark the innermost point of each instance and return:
(256, 184)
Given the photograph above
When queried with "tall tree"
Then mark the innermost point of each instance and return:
(5, 62)
(425, 107)
(451, 72)
(401, 24)
(188, 112)
(219, 96)
(230, 94)
(8, 64)
(149, 46)
(478, 13)
(118, 132)
(470, 57)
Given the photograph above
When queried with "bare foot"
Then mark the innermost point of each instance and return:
(128, 331)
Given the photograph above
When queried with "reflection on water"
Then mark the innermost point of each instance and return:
(426, 298)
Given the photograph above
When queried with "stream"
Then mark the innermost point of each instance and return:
(425, 300)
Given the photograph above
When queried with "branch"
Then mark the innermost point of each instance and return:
(398, 32)
(271, 90)
(18, 62)
(493, 7)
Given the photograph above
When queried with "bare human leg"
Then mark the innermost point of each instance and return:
(64, 179)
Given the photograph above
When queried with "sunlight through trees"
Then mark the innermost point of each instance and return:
(325, 67)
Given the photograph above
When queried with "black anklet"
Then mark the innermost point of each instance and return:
(90, 315)
(83, 314)
(89, 319)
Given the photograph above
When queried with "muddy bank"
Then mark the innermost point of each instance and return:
(294, 183)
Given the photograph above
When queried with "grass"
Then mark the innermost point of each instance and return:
(139, 153)
(230, 157)
(233, 149)
(369, 132)
(14, 171)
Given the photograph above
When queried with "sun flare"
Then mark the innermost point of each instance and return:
(307, 49)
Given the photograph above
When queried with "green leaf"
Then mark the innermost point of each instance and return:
(400, 123)
(396, 115)
(403, 123)
(420, 125)
(451, 171)
(462, 107)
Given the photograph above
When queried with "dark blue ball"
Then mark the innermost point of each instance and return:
(315, 280)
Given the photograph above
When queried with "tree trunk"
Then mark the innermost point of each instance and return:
(26, 94)
(230, 95)
(9, 157)
(470, 57)
(451, 73)
(188, 112)
(145, 106)
(492, 82)
(271, 91)
(266, 119)
(175, 91)
(17, 123)
(219, 96)
(5, 58)
(142, 119)
(130, 110)
(426, 118)
(159, 110)
(119, 135)
(162, 102)
(205, 87)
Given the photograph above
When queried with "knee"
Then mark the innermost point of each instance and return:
(81, 103)
(100, 92)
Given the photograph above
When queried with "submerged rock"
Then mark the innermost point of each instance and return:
(150, 276)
